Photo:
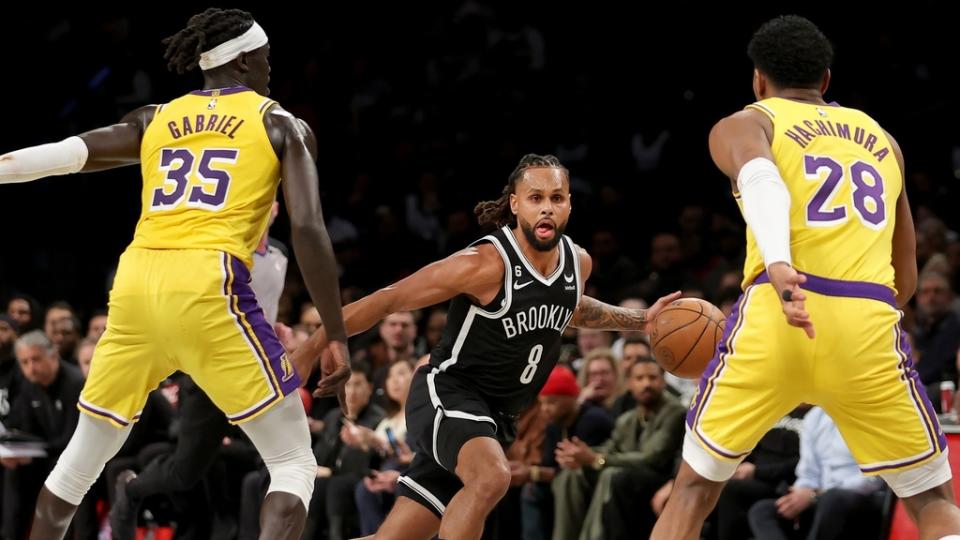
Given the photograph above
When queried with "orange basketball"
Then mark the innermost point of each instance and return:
(685, 336)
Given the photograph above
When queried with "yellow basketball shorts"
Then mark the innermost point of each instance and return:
(187, 310)
(857, 368)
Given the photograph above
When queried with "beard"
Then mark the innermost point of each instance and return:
(538, 244)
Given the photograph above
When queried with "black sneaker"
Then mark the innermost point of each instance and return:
(123, 512)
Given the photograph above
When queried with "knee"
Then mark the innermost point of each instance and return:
(294, 473)
(489, 481)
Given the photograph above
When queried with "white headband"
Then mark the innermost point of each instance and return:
(254, 38)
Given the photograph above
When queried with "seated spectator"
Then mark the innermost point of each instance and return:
(629, 303)
(600, 379)
(374, 495)
(589, 339)
(565, 419)
(46, 407)
(596, 493)
(97, 325)
(831, 497)
(635, 347)
(9, 369)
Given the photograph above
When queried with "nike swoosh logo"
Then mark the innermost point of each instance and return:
(569, 278)
(518, 286)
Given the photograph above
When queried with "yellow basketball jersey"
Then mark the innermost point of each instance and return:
(210, 174)
(844, 181)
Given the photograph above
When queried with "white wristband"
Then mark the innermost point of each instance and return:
(766, 209)
(64, 157)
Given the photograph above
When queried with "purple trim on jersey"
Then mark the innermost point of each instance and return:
(713, 369)
(247, 301)
(223, 91)
(104, 413)
(837, 287)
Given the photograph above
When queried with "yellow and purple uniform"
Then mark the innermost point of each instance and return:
(844, 181)
(181, 299)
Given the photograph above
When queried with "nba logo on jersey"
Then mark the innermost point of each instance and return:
(212, 105)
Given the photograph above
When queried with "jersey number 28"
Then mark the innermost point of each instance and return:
(867, 192)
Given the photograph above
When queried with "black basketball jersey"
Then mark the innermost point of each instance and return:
(507, 348)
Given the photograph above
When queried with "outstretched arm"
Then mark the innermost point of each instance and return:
(476, 272)
(96, 150)
(592, 313)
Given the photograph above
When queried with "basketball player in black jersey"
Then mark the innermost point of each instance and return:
(514, 291)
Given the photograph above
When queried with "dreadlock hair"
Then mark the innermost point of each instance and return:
(204, 31)
(791, 51)
(491, 214)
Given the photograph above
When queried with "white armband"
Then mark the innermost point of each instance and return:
(64, 157)
(766, 209)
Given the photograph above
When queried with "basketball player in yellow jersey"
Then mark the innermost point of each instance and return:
(211, 163)
(830, 255)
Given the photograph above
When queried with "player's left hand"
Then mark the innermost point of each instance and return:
(334, 373)
(786, 281)
(655, 310)
(794, 503)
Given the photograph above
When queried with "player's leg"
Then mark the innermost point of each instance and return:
(123, 371)
(752, 382)
(282, 437)
(883, 412)
(234, 355)
(93, 443)
(202, 428)
(482, 467)
(408, 520)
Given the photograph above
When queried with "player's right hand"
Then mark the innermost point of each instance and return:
(786, 280)
(334, 373)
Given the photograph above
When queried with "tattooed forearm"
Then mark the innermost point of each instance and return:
(592, 313)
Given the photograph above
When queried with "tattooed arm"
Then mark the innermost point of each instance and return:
(592, 313)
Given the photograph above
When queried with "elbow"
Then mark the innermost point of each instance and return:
(306, 229)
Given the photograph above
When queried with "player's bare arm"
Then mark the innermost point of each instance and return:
(295, 144)
(904, 238)
(592, 313)
(475, 271)
(104, 148)
(739, 140)
(117, 145)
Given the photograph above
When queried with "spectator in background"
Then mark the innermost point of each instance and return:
(46, 407)
(937, 333)
(374, 495)
(56, 311)
(309, 318)
(10, 378)
(629, 467)
(398, 332)
(433, 330)
(85, 355)
(24, 309)
(565, 420)
(589, 339)
(600, 379)
(664, 271)
(612, 270)
(97, 325)
(65, 336)
(636, 349)
(831, 498)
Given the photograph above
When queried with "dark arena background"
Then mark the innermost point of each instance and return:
(421, 110)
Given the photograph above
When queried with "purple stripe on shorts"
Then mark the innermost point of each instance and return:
(719, 451)
(837, 287)
(716, 363)
(222, 91)
(279, 363)
(896, 465)
(103, 413)
(919, 393)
